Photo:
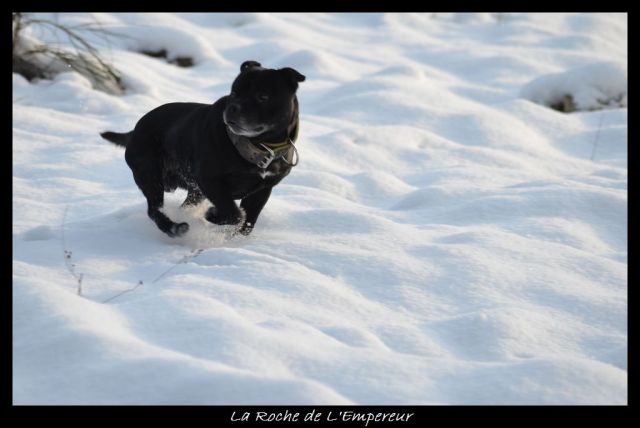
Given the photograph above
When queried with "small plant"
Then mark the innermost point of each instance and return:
(71, 267)
(34, 59)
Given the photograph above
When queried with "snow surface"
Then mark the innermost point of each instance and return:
(443, 240)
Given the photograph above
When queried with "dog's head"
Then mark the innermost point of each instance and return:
(261, 99)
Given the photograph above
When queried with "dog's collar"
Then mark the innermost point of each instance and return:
(263, 154)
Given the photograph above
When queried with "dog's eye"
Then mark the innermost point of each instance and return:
(262, 98)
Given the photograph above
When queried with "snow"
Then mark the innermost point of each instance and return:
(444, 240)
(591, 86)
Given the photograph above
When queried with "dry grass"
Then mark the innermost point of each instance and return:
(35, 60)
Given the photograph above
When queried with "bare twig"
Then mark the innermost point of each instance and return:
(123, 292)
(71, 267)
(193, 255)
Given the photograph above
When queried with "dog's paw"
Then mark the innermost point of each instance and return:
(179, 229)
(211, 215)
(215, 217)
(245, 229)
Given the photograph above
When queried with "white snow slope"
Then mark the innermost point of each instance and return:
(442, 241)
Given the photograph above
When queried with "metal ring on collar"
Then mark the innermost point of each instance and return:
(295, 152)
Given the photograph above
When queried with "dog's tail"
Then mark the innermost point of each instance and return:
(121, 139)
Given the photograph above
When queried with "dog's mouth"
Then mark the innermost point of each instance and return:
(238, 129)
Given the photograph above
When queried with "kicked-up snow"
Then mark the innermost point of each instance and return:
(444, 240)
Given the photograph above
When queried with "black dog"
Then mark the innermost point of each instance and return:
(237, 148)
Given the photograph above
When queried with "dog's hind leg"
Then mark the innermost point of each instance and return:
(153, 189)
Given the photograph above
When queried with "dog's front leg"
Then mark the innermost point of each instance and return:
(225, 210)
(252, 205)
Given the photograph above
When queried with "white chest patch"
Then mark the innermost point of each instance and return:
(265, 173)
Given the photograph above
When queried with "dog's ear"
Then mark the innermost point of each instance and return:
(293, 76)
(248, 65)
